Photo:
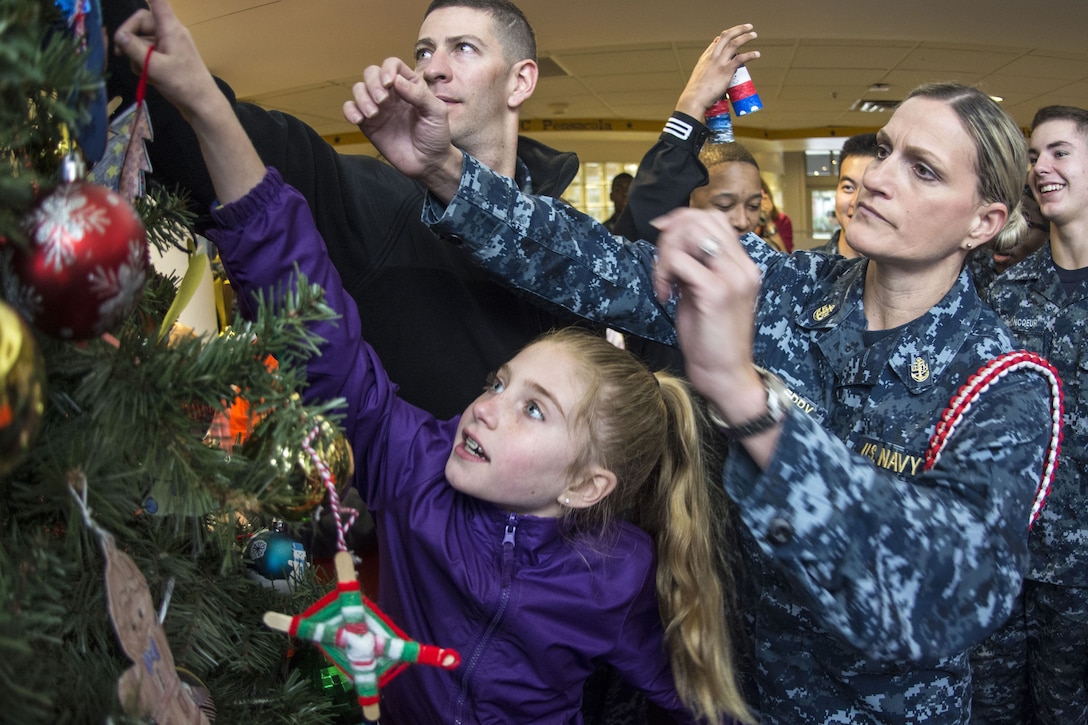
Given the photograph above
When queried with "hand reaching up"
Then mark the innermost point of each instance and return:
(404, 120)
(700, 255)
(715, 68)
(174, 66)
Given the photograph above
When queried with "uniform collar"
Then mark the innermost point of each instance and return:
(1039, 272)
(920, 352)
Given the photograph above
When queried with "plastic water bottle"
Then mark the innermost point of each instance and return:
(741, 94)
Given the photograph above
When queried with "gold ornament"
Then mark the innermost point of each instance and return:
(296, 471)
(22, 388)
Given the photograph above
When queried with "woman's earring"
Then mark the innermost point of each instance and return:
(566, 501)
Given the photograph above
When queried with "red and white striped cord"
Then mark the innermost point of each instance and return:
(342, 523)
(979, 383)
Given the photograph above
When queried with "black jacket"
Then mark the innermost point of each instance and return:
(438, 322)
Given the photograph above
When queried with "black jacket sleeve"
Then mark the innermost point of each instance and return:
(667, 175)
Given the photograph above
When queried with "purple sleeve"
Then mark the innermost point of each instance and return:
(265, 239)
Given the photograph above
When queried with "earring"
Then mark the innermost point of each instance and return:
(566, 501)
(968, 245)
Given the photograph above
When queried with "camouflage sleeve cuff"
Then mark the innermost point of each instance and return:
(787, 506)
(546, 248)
(483, 208)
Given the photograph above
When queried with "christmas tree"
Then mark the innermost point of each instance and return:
(105, 454)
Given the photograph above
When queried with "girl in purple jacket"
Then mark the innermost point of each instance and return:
(503, 531)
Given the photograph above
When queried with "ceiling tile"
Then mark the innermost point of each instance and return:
(930, 58)
(635, 60)
(844, 55)
(1038, 65)
(303, 57)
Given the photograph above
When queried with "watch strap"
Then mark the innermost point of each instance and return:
(778, 406)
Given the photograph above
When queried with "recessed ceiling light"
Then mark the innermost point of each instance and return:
(867, 105)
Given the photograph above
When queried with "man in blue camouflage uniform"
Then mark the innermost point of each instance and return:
(1044, 300)
(856, 154)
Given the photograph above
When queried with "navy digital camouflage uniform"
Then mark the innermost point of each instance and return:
(1046, 319)
(873, 576)
(981, 267)
(831, 246)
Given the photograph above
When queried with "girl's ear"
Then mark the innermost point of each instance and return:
(590, 489)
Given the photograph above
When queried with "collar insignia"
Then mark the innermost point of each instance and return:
(919, 370)
(822, 313)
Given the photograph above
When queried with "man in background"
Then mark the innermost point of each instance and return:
(439, 323)
(856, 155)
(618, 195)
(1039, 671)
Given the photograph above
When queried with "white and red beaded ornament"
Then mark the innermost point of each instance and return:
(87, 265)
(978, 384)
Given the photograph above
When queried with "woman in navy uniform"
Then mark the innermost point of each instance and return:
(874, 574)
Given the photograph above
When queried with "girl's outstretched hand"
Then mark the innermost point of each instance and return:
(159, 45)
(174, 66)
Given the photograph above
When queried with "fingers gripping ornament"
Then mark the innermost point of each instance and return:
(358, 638)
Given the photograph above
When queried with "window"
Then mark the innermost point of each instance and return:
(822, 205)
(822, 163)
(590, 190)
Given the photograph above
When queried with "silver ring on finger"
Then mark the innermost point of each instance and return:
(710, 246)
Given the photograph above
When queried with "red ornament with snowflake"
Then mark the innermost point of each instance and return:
(87, 265)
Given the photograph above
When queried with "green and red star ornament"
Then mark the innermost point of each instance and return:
(359, 638)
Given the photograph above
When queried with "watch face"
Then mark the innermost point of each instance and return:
(778, 405)
(779, 400)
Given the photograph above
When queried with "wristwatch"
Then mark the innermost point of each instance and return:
(779, 404)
